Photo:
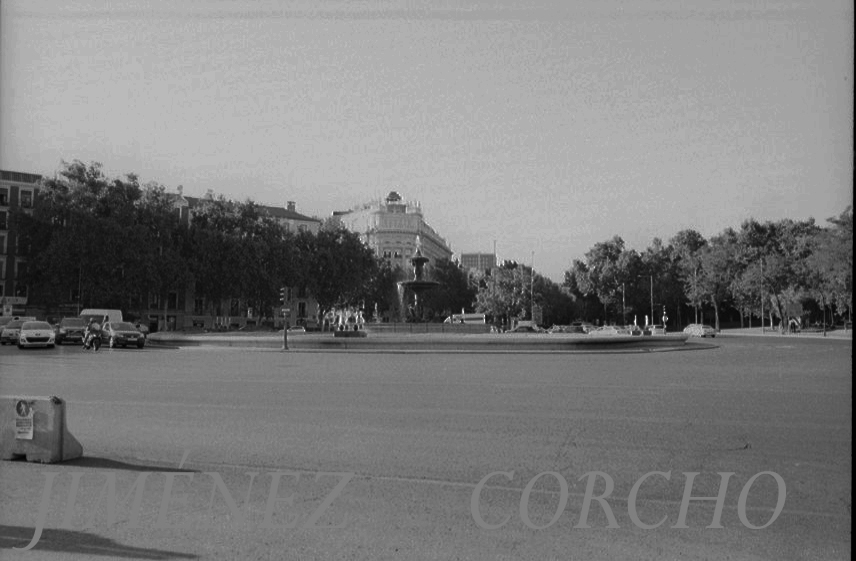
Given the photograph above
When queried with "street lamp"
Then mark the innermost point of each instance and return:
(623, 307)
(651, 277)
(532, 289)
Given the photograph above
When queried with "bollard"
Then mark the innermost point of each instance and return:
(34, 427)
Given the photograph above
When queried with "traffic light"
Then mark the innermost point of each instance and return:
(282, 292)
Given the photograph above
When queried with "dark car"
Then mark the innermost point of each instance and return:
(122, 334)
(71, 330)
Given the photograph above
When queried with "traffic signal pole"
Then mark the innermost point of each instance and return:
(282, 298)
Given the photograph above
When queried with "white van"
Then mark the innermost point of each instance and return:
(101, 315)
(466, 318)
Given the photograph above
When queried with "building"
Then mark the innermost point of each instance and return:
(17, 192)
(393, 228)
(288, 215)
(185, 310)
(483, 262)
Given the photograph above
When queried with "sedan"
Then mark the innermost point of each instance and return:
(9, 334)
(36, 334)
(122, 334)
(699, 330)
(609, 330)
(70, 329)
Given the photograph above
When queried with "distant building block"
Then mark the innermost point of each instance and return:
(34, 427)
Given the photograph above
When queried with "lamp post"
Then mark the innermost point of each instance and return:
(532, 289)
(651, 278)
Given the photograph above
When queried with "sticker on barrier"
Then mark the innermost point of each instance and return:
(23, 420)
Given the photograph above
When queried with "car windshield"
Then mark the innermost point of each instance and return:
(123, 326)
(72, 322)
(36, 325)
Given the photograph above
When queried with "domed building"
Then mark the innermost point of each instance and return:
(391, 227)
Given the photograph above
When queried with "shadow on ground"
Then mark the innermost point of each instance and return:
(106, 463)
(83, 543)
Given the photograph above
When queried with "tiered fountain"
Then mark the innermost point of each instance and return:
(416, 286)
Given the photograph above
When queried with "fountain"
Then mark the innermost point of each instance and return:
(416, 286)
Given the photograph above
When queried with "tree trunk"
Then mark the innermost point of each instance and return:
(715, 314)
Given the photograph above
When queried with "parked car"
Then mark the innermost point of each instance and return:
(609, 330)
(700, 330)
(9, 334)
(121, 334)
(70, 330)
(36, 334)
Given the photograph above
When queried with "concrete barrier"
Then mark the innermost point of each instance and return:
(34, 427)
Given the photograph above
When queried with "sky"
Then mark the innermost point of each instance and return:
(543, 127)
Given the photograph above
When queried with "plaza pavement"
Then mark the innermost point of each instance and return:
(420, 431)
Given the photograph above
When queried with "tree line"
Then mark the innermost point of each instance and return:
(117, 243)
(777, 269)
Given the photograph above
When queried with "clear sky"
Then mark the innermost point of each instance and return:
(546, 125)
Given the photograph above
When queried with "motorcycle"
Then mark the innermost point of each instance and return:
(92, 340)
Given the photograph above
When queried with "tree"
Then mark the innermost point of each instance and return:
(717, 266)
(455, 291)
(504, 295)
(336, 267)
(686, 245)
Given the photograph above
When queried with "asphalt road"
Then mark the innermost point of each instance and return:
(411, 435)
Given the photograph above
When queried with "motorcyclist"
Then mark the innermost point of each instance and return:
(93, 330)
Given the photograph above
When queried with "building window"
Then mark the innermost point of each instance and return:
(302, 228)
(2, 270)
(3, 225)
(20, 290)
(4, 196)
(21, 269)
(301, 309)
(154, 301)
(27, 198)
(172, 301)
(3, 243)
(301, 292)
(198, 306)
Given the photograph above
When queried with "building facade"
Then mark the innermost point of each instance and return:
(17, 193)
(393, 228)
(484, 262)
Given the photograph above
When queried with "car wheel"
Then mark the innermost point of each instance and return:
(50, 346)
(140, 344)
(20, 346)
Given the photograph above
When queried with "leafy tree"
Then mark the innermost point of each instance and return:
(686, 246)
(455, 291)
(504, 295)
(717, 266)
(337, 268)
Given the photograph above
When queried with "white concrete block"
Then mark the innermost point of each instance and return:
(34, 427)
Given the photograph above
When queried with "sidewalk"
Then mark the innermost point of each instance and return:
(767, 332)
